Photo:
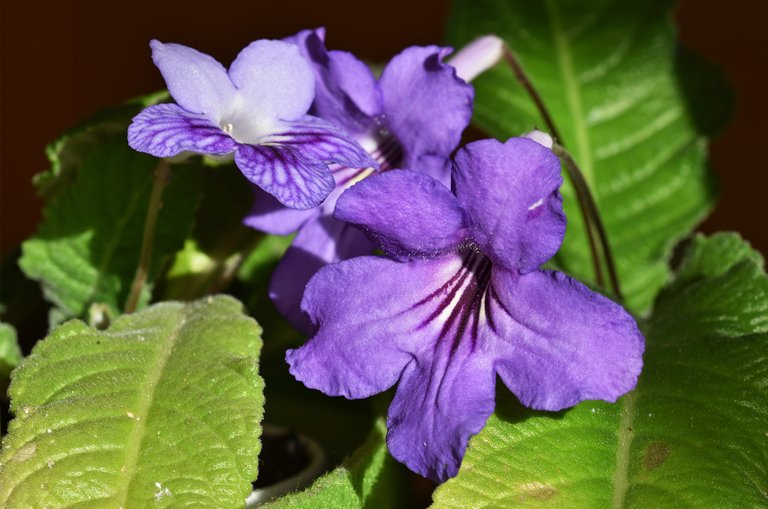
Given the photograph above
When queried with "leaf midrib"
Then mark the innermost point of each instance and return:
(584, 159)
(583, 153)
(136, 438)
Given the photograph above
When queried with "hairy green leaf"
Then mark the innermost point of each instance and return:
(87, 248)
(162, 409)
(66, 154)
(368, 478)
(693, 432)
(630, 108)
(10, 355)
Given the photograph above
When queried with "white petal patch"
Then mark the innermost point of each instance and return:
(538, 203)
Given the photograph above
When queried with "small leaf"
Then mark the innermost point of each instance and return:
(631, 109)
(10, 355)
(87, 248)
(368, 478)
(162, 409)
(693, 432)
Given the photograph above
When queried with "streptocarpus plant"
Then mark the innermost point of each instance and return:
(160, 405)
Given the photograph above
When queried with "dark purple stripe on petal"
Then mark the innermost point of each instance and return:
(165, 130)
(388, 151)
(463, 294)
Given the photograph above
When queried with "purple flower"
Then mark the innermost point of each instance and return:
(461, 301)
(412, 117)
(257, 110)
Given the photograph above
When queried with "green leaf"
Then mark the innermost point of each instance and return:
(693, 432)
(219, 242)
(630, 108)
(368, 478)
(87, 248)
(162, 409)
(66, 154)
(10, 355)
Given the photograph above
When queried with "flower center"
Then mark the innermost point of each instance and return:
(459, 303)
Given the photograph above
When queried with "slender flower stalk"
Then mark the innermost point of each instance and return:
(159, 181)
(590, 214)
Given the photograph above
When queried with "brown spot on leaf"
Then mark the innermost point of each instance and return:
(655, 455)
(25, 452)
(537, 490)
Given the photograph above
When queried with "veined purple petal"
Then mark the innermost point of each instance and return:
(559, 343)
(295, 180)
(425, 316)
(426, 105)
(510, 191)
(321, 140)
(165, 130)
(346, 92)
(405, 213)
(364, 331)
(198, 82)
(273, 80)
(441, 401)
(270, 216)
(321, 241)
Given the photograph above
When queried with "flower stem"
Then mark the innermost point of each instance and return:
(592, 222)
(145, 257)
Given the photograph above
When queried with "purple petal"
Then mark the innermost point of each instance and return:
(376, 318)
(321, 241)
(286, 174)
(510, 192)
(346, 93)
(444, 397)
(321, 140)
(559, 343)
(273, 79)
(404, 213)
(165, 130)
(270, 216)
(363, 336)
(426, 105)
(198, 82)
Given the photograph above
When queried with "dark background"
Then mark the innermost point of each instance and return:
(63, 60)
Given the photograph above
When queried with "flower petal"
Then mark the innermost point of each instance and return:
(321, 241)
(442, 400)
(283, 172)
(345, 92)
(270, 216)
(198, 82)
(273, 80)
(364, 331)
(426, 105)
(404, 213)
(321, 140)
(510, 192)
(559, 343)
(376, 318)
(165, 130)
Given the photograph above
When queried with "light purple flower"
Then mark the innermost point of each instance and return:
(258, 110)
(412, 117)
(461, 301)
